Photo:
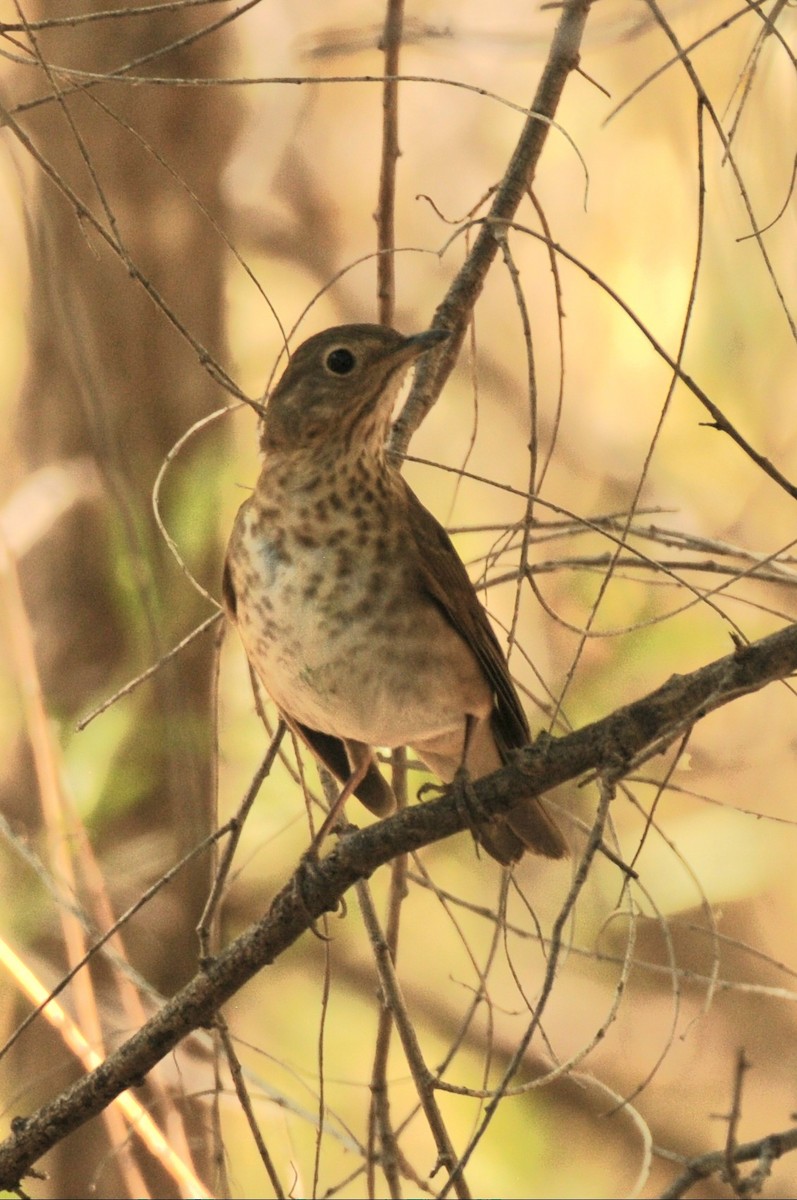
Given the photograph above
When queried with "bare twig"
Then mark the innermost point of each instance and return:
(590, 850)
(236, 825)
(386, 208)
(719, 420)
(379, 1121)
(423, 1078)
(242, 1093)
(730, 157)
(732, 1172)
(207, 624)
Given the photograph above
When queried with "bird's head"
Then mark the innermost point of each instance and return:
(340, 387)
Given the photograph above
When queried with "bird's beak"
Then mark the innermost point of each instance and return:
(420, 343)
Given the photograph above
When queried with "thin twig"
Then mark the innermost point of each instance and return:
(732, 1172)
(528, 516)
(422, 1077)
(379, 1121)
(235, 826)
(386, 206)
(207, 624)
(590, 850)
(242, 1093)
(100, 940)
(728, 157)
(718, 419)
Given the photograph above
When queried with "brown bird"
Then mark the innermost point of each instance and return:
(353, 606)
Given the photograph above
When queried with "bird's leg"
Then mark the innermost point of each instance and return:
(470, 728)
(461, 777)
(462, 787)
(360, 767)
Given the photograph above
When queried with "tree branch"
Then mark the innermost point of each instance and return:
(766, 1150)
(453, 312)
(610, 746)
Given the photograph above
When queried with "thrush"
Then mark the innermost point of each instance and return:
(354, 608)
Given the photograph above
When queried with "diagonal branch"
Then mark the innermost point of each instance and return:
(453, 312)
(610, 746)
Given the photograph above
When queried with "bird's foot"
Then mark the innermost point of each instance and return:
(430, 791)
(465, 798)
(303, 887)
(467, 803)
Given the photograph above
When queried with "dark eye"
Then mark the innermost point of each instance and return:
(341, 361)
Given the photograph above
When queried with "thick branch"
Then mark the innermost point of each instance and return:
(453, 313)
(608, 745)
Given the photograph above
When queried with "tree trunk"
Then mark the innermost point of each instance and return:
(112, 380)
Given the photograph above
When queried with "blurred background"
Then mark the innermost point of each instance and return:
(249, 205)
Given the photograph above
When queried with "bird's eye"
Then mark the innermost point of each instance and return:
(340, 361)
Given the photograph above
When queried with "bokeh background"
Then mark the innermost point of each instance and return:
(254, 199)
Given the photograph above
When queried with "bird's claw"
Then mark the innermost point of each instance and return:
(302, 883)
(467, 802)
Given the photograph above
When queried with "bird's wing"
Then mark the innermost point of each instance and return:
(373, 790)
(444, 578)
(446, 581)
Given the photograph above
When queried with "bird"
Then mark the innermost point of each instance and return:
(356, 613)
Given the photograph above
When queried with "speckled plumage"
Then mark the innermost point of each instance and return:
(354, 609)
